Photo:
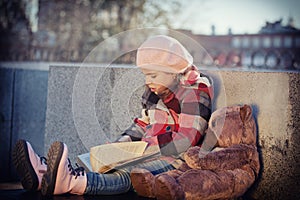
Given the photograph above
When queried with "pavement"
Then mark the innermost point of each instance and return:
(10, 191)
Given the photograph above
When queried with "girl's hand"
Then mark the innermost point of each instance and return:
(151, 141)
(124, 138)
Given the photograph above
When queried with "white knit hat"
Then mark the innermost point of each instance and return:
(163, 53)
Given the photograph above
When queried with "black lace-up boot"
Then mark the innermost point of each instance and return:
(30, 166)
(61, 177)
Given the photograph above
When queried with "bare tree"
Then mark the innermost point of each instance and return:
(109, 17)
(15, 30)
(69, 26)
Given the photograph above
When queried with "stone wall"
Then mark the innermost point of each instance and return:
(90, 106)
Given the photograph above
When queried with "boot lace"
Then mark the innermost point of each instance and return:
(78, 171)
(43, 160)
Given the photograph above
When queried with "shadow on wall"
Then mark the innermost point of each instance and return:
(255, 112)
(219, 88)
(23, 99)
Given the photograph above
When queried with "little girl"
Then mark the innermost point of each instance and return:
(176, 109)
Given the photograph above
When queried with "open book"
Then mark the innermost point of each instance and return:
(104, 158)
(83, 160)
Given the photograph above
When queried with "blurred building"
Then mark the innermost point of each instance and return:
(68, 30)
(275, 47)
(59, 36)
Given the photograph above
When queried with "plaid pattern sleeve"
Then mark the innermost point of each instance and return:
(137, 130)
(192, 122)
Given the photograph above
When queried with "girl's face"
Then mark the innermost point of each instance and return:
(159, 82)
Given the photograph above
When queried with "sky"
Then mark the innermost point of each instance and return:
(242, 16)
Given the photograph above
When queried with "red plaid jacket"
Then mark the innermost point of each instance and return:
(179, 121)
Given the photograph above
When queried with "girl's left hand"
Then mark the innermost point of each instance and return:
(151, 141)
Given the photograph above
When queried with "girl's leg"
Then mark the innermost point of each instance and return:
(119, 181)
(62, 178)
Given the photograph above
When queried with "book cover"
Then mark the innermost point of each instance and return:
(83, 160)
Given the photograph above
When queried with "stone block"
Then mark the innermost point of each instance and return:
(6, 96)
(88, 106)
(22, 112)
(274, 97)
(30, 101)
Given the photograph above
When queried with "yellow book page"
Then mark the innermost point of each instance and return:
(107, 154)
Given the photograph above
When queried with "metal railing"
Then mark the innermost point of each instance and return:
(255, 59)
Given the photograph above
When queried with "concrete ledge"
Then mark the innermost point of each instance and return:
(90, 106)
(23, 97)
